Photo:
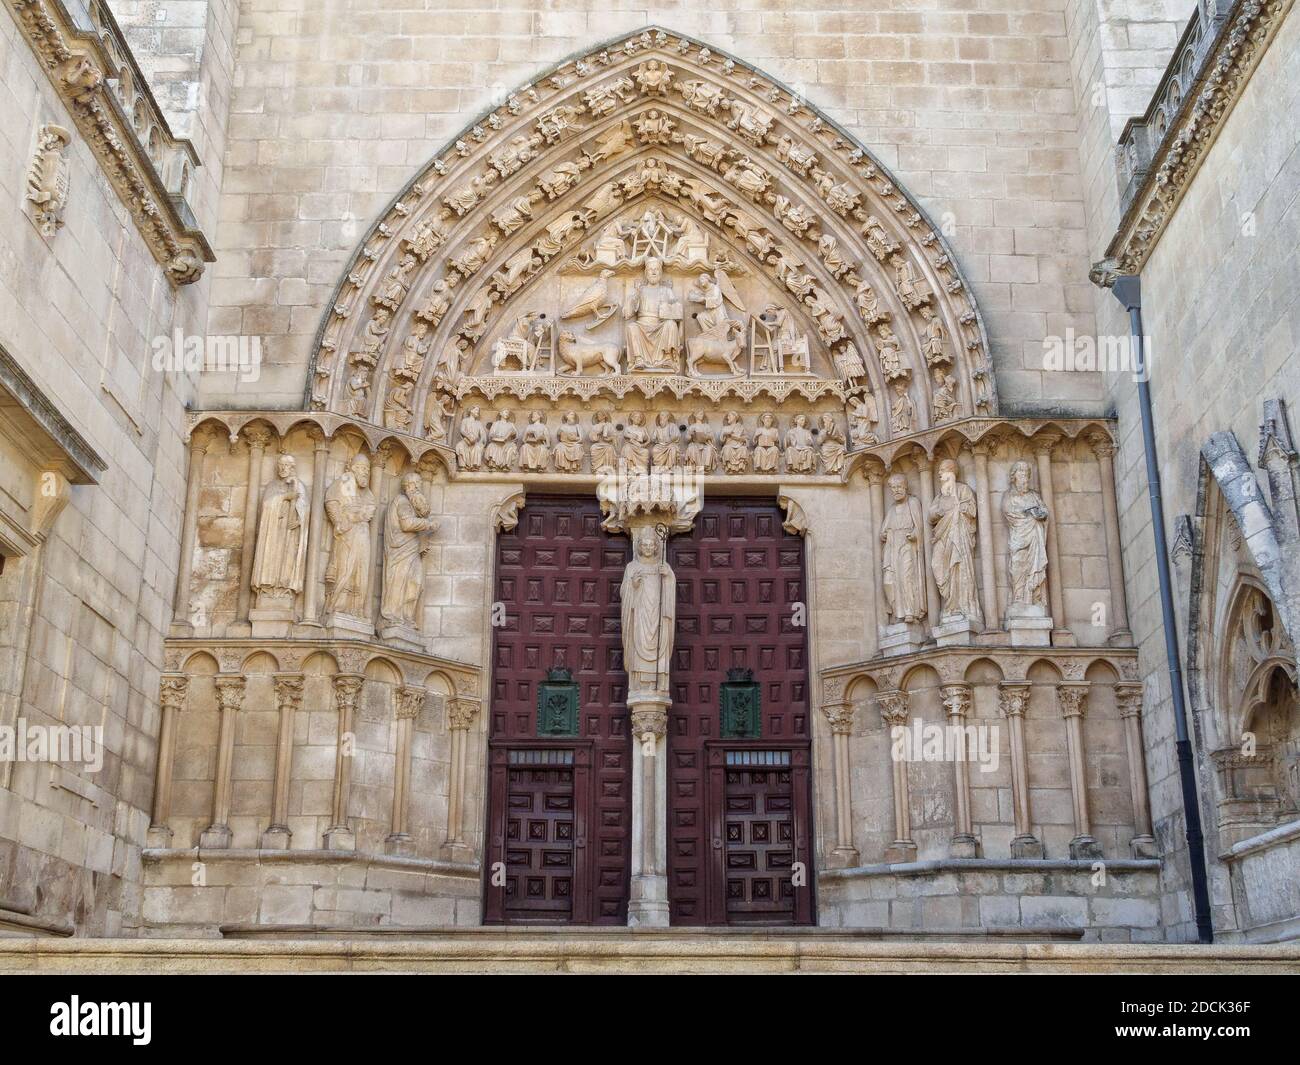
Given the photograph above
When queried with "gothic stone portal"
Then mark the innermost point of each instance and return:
(738, 806)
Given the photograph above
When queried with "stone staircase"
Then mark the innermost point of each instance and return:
(641, 951)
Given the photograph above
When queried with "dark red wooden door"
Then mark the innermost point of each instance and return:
(557, 575)
(741, 604)
(539, 838)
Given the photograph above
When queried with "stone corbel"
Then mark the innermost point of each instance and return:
(505, 516)
(796, 520)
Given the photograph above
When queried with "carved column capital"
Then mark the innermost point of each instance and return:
(1013, 699)
(893, 707)
(1102, 445)
(1128, 697)
(288, 691)
(172, 690)
(230, 691)
(1072, 698)
(202, 442)
(461, 713)
(1045, 443)
(956, 699)
(346, 688)
(320, 441)
(257, 436)
(410, 701)
(649, 721)
(840, 716)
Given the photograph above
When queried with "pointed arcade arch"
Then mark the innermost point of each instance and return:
(540, 200)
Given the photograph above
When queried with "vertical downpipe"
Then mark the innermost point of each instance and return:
(1128, 290)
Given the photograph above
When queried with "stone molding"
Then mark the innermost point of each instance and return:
(90, 66)
(1243, 38)
(816, 195)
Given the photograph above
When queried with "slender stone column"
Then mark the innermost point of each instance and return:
(378, 485)
(876, 498)
(1013, 701)
(840, 717)
(410, 701)
(893, 711)
(258, 438)
(339, 837)
(1073, 701)
(934, 612)
(648, 906)
(1043, 445)
(316, 528)
(988, 585)
(1128, 697)
(172, 690)
(288, 698)
(230, 698)
(956, 700)
(199, 446)
(1104, 448)
(461, 713)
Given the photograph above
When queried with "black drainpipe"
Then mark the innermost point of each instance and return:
(1128, 290)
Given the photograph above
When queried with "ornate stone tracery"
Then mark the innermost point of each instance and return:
(514, 260)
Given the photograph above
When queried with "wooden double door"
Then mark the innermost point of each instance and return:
(738, 817)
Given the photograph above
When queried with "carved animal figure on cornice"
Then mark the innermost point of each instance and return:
(576, 356)
(594, 300)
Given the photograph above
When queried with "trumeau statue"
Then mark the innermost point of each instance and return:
(653, 313)
(952, 557)
(1026, 518)
(278, 564)
(901, 533)
(350, 506)
(407, 528)
(649, 612)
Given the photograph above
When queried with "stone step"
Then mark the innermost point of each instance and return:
(568, 950)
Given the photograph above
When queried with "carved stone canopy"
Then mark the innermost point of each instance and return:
(655, 216)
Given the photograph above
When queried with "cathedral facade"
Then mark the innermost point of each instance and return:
(650, 468)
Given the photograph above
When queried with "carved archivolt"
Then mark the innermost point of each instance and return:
(654, 219)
